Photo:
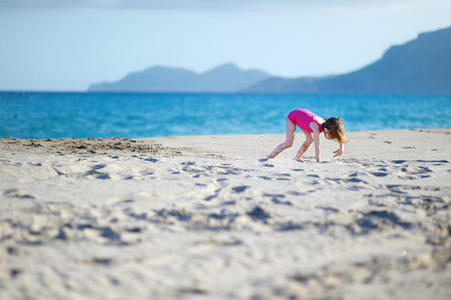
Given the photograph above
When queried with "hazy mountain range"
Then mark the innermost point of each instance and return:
(225, 78)
(421, 66)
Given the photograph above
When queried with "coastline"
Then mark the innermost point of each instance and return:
(203, 216)
(367, 144)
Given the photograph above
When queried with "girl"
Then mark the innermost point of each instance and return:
(312, 126)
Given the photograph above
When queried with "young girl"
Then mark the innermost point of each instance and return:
(312, 126)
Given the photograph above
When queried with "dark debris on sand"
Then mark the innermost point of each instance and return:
(81, 145)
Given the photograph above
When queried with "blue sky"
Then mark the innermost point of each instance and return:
(68, 44)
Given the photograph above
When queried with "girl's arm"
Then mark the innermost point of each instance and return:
(339, 151)
(316, 133)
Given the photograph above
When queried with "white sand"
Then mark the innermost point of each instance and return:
(203, 217)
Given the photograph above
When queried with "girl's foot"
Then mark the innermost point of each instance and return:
(299, 160)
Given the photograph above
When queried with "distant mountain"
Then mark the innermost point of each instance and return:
(419, 66)
(224, 78)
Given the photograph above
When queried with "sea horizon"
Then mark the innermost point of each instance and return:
(231, 93)
(62, 114)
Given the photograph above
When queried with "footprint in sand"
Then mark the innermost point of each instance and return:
(101, 261)
(313, 175)
(154, 160)
(328, 209)
(414, 172)
(376, 220)
(103, 176)
(181, 214)
(240, 189)
(15, 193)
(259, 214)
(379, 174)
(105, 232)
(99, 175)
(124, 201)
(294, 193)
(356, 180)
(211, 197)
(276, 199)
(12, 250)
(399, 161)
(284, 174)
(13, 273)
(283, 179)
(274, 195)
(230, 172)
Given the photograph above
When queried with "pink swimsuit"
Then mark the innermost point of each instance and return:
(303, 118)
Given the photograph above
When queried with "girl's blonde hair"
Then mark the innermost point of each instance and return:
(336, 129)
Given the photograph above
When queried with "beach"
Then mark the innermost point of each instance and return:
(208, 217)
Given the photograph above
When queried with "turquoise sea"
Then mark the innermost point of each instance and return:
(58, 115)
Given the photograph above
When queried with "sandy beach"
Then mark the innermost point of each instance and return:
(207, 217)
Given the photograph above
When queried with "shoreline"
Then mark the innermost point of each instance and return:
(171, 217)
(404, 138)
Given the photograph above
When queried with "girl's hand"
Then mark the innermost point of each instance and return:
(338, 152)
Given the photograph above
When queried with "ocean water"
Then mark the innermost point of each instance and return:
(61, 115)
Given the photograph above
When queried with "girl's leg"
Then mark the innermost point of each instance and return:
(305, 145)
(290, 132)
